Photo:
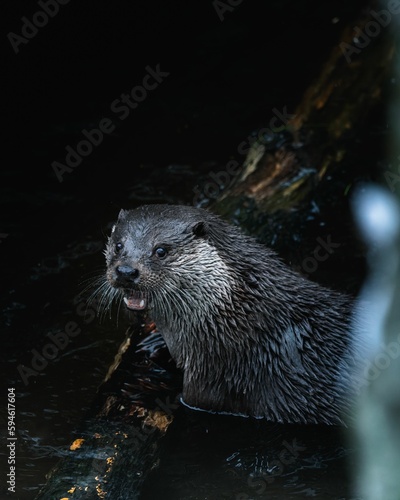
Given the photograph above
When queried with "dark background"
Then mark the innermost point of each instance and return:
(225, 78)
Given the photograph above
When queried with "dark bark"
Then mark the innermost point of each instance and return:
(282, 168)
(118, 446)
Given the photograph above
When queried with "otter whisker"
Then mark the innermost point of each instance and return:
(107, 300)
(121, 298)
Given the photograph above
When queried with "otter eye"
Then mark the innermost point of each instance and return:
(118, 247)
(161, 252)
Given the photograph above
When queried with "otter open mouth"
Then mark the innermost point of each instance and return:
(134, 300)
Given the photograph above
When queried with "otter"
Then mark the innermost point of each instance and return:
(252, 336)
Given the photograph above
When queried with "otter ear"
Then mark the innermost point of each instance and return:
(199, 229)
(122, 215)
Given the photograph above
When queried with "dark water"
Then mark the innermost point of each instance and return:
(223, 457)
(225, 79)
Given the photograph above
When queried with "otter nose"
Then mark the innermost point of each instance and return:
(127, 272)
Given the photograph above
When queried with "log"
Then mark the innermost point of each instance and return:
(284, 167)
(118, 446)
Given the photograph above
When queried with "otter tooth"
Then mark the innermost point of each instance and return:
(141, 303)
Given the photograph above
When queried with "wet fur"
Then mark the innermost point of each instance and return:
(251, 336)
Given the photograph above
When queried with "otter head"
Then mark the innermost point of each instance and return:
(161, 257)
